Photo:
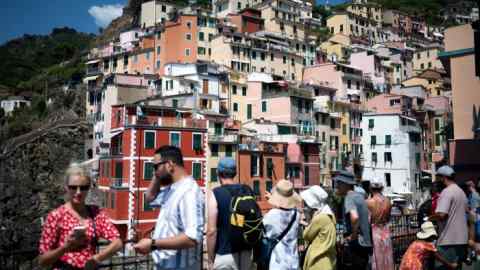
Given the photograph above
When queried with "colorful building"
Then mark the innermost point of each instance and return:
(127, 170)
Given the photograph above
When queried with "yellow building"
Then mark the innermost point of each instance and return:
(336, 47)
(350, 24)
(238, 96)
(367, 10)
(426, 58)
(283, 16)
(432, 81)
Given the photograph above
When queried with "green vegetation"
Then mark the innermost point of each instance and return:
(29, 61)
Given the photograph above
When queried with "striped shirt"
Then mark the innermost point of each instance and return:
(182, 211)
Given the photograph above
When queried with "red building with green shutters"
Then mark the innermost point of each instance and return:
(126, 172)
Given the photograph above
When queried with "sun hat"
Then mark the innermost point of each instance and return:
(376, 183)
(315, 197)
(445, 170)
(345, 177)
(284, 196)
(427, 230)
(227, 165)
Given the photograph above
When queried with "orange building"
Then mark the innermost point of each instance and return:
(176, 42)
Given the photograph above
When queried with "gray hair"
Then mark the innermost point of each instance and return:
(75, 169)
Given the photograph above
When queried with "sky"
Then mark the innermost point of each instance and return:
(21, 17)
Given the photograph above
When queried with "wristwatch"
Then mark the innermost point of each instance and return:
(152, 245)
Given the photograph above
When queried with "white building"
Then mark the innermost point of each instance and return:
(10, 104)
(391, 147)
(154, 12)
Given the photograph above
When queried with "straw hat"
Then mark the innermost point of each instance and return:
(427, 230)
(284, 196)
(376, 183)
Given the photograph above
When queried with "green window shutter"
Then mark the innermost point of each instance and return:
(344, 129)
(150, 140)
(417, 159)
(228, 151)
(264, 106)
(118, 170)
(175, 139)
(197, 142)
(214, 150)
(148, 171)
(373, 140)
(371, 123)
(269, 168)
(197, 170)
(146, 205)
(174, 103)
(437, 124)
(218, 128)
(256, 187)
(268, 185)
(249, 111)
(388, 139)
(213, 174)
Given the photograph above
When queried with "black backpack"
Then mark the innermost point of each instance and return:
(246, 227)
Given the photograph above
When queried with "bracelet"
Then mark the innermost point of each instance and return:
(152, 245)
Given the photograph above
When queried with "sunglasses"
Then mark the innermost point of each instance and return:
(81, 187)
(156, 165)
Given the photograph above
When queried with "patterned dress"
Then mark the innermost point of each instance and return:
(417, 255)
(382, 258)
(59, 225)
(285, 253)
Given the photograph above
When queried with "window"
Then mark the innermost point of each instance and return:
(218, 127)
(118, 170)
(422, 66)
(268, 185)
(187, 52)
(234, 89)
(264, 106)
(197, 142)
(323, 136)
(149, 142)
(417, 159)
(254, 55)
(371, 123)
(387, 156)
(174, 103)
(437, 139)
(307, 175)
(373, 140)
(358, 85)
(214, 150)
(418, 55)
(112, 199)
(249, 111)
(213, 174)
(175, 139)
(147, 170)
(158, 50)
(189, 25)
(341, 28)
(239, 5)
(147, 55)
(146, 204)
(374, 157)
(388, 180)
(201, 36)
(344, 129)
(293, 62)
(429, 64)
(197, 170)
(388, 139)
(349, 84)
(256, 187)
(235, 107)
(262, 56)
(271, 57)
(437, 124)
(284, 59)
(201, 50)
(269, 168)
(228, 150)
(210, 37)
(158, 64)
(164, 8)
(254, 166)
(244, 91)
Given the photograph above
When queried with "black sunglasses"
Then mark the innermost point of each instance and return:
(156, 165)
(82, 187)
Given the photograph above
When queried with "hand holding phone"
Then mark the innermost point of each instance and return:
(80, 232)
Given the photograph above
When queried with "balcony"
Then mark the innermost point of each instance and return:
(321, 108)
(166, 122)
(223, 138)
(116, 182)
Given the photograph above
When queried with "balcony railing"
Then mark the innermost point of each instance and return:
(116, 182)
(167, 122)
(223, 138)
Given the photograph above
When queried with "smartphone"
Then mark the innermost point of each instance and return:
(80, 232)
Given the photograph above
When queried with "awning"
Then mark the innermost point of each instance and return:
(92, 61)
(91, 78)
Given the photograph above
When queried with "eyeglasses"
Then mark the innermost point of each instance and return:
(81, 187)
(156, 165)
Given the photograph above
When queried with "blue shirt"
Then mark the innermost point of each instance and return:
(182, 211)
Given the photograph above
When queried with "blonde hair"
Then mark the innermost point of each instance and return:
(75, 169)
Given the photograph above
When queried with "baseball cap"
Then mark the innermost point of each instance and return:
(227, 165)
